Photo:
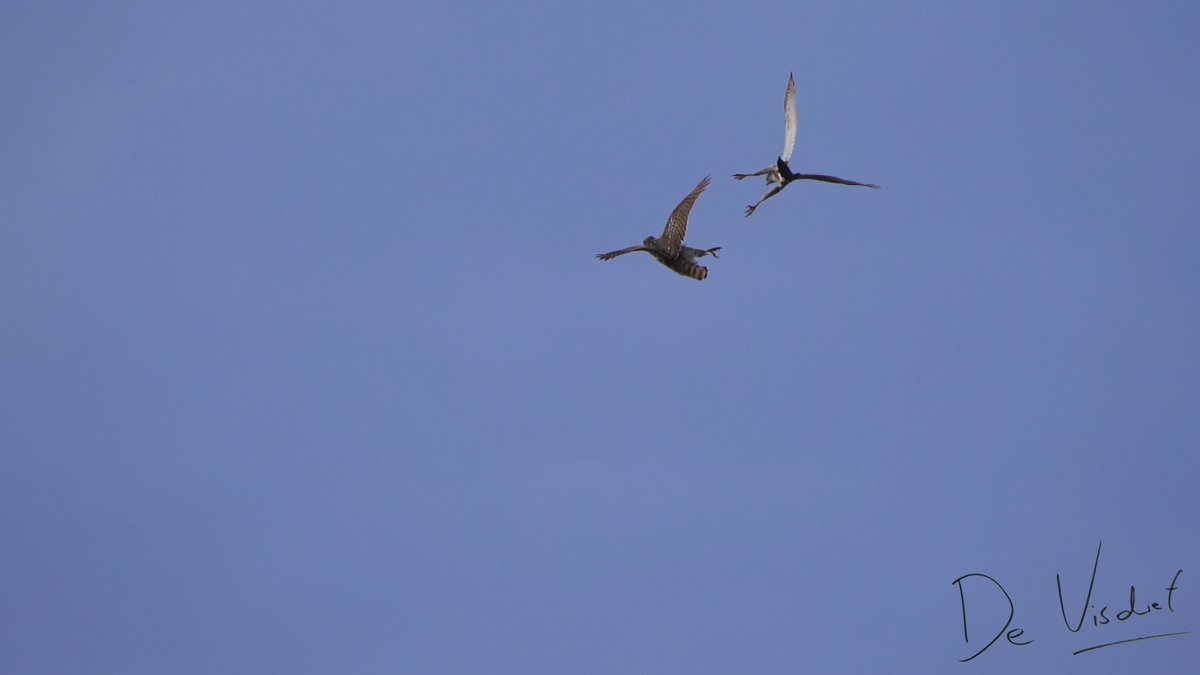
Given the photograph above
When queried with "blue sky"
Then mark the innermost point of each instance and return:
(306, 364)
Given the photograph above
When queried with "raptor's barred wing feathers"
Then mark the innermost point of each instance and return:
(676, 229)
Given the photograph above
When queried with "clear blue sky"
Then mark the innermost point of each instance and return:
(306, 364)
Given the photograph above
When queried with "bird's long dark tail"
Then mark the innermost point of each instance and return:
(833, 179)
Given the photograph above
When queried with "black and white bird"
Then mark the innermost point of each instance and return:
(780, 172)
(669, 249)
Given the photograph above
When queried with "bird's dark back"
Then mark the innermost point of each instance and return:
(785, 171)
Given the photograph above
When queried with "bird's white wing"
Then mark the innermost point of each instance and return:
(673, 234)
(789, 119)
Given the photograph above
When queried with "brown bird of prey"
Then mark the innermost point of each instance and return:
(780, 172)
(669, 249)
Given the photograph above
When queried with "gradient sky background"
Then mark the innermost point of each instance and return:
(306, 365)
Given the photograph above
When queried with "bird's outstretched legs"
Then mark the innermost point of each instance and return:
(774, 191)
(760, 172)
(689, 253)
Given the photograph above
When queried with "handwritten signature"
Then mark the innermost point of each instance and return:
(1100, 618)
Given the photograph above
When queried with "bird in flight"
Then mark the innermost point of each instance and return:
(780, 172)
(669, 249)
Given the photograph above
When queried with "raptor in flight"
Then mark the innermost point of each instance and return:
(780, 172)
(669, 249)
